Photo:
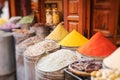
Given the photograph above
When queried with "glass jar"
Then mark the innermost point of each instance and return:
(56, 17)
(49, 16)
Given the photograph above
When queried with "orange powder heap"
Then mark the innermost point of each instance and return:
(97, 46)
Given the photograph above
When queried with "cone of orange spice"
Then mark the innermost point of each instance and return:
(97, 46)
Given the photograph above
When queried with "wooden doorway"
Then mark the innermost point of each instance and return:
(104, 18)
(91, 16)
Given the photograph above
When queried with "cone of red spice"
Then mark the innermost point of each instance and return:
(97, 46)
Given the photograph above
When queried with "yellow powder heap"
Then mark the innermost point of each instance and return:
(58, 33)
(73, 39)
(2, 21)
(113, 61)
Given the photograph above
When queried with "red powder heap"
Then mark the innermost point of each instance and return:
(97, 46)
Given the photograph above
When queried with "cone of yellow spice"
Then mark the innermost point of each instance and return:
(2, 21)
(73, 39)
(58, 33)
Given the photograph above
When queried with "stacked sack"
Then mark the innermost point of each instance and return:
(35, 52)
(20, 48)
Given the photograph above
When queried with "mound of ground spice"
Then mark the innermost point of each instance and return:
(113, 61)
(97, 46)
(73, 39)
(58, 33)
(2, 21)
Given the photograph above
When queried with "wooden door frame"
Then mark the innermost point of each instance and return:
(114, 11)
(41, 11)
(82, 16)
(12, 8)
(88, 13)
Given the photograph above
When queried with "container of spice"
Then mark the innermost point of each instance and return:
(41, 30)
(26, 21)
(29, 64)
(35, 52)
(8, 26)
(22, 34)
(20, 48)
(7, 56)
(106, 74)
(56, 75)
(84, 66)
(50, 67)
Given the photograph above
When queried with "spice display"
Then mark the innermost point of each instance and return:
(56, 60)
(73, 39)
(97, 46)
(58, 33)
(113, 61)
(85, 66)
(105, 74)
(41, 47)
(30, 41)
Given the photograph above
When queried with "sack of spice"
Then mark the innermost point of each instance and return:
(41, 47)
(15, 19)
(56, 60)
(41, 30)
(20, 48)
(8, 26)
(26, 21)
(30, 41)
(52, 65)
(22, 34)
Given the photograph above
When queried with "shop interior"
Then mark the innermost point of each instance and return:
(59, 39)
